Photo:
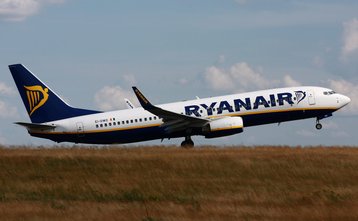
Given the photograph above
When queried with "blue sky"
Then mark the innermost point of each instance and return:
(91, 54)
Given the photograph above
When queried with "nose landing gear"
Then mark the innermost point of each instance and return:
(187, 143)
(318, 124)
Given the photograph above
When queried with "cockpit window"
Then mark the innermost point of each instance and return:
(329, 92)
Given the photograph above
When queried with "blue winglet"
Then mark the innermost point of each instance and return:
(142, 99)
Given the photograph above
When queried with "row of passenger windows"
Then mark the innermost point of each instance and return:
(123, 122)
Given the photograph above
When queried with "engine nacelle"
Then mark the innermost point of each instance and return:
(223, 127)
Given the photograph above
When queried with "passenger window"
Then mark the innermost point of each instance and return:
(109, 124)
(101, 125)
(105, 124)
(145, 119)
(155, 118)
(119, 123)
(96, 125)
(123, 122)
(114, 123)
(127, 121)
(140, 119)
(131, 121)
(136, 120)
(150, 118)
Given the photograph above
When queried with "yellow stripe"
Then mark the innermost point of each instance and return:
(227, 128)
(37, 97)
(33, 99)
(29, 99)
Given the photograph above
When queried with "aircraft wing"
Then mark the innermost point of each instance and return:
(172, 121)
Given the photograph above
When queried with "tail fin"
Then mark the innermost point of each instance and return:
(42, 104)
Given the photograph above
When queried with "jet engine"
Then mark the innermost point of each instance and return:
(223, 127)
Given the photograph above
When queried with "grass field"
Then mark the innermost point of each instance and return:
(169, 183)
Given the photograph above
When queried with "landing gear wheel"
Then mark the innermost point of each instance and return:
(318, 126)
(187, 143)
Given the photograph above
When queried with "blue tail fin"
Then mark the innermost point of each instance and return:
(42, 104)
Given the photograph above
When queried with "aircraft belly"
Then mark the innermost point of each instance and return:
(275, 117)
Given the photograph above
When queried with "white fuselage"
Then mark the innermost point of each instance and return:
(255, 108)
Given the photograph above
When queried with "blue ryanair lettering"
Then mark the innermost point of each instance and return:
(192, 109)
(239, 104)
(260, 100)
(273, 100)
(209, 108)
(284, 97)
(224, 105)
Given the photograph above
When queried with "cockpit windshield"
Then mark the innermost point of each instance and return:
(329, 92)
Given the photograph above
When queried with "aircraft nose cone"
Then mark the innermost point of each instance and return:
(345, 100)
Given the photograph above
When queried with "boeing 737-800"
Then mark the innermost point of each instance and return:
(54, 119)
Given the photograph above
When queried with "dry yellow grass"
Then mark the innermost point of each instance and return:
(169, 183)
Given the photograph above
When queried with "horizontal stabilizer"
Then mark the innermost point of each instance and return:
(34, 126)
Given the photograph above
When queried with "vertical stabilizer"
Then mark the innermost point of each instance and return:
(41, 103)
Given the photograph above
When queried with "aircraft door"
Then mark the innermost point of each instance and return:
(311, 98)
(80, 129)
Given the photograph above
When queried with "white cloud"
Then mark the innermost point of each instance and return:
(349, 89)
(183, 81)
(7, 110)
(129, 79)
(288, 81)
(112, 98)
(242, 77)
(218, 79)
(6, 90)
(19, 10)
(350, 38)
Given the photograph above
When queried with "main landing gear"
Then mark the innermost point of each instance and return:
(318, 124)
(187, 143)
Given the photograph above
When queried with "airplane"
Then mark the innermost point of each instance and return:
(52, 118)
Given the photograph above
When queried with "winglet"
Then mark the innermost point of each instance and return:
(129, 104)
(142, 100)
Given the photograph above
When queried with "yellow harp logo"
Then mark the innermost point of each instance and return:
(36, 96)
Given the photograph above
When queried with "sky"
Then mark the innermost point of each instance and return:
(92, 52)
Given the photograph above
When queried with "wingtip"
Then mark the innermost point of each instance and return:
(141, 98)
